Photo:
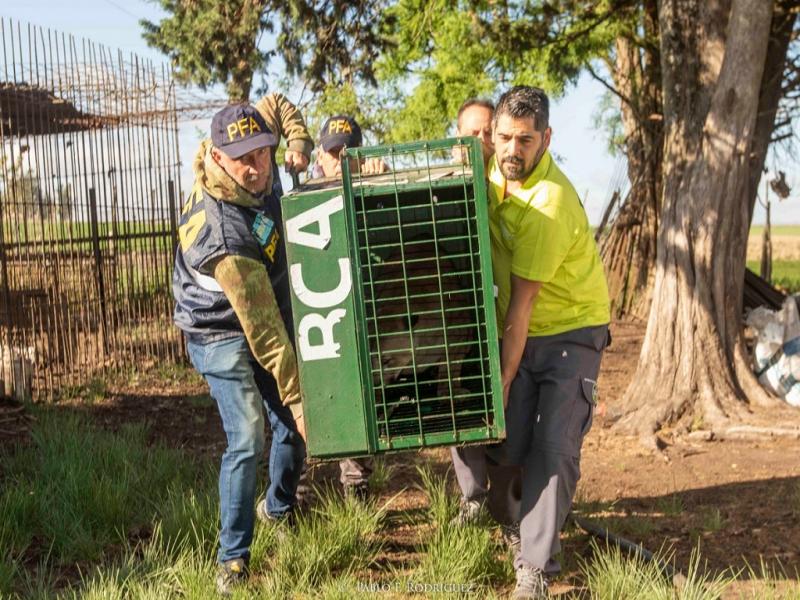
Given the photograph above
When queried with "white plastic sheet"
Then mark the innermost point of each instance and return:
(777, 349)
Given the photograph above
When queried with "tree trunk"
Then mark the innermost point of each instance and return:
(628, 249)
(770, 94)
(712, 60)
(246, 25)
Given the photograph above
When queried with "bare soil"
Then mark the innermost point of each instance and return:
(739, 501)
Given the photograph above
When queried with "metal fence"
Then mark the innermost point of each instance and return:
(89, 180)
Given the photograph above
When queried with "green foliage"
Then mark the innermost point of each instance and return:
(90, 392)
(450, 51)
(361, 103)
(442, 505)
(638, 526)
(437, 46)
(157, 568)
(771, 582)
(212, 41)
(332, 42)
(140, 523)
(607, 118)
(452, 553)
(713, 519)
(382, 474)
(671, 505)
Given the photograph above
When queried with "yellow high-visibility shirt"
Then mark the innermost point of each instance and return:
(541, 233)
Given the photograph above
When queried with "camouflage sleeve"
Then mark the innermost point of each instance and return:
(247, 287)
(285, 119)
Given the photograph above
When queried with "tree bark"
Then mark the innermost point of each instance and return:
(770, 93)
(246, 23)
(628, 249)
(712, 60)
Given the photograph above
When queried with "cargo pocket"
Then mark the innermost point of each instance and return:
(589, 394)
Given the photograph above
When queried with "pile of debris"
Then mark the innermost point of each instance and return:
(776, 353)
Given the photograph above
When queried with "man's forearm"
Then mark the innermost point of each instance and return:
(515, 335)
(287, 121)
(247, 287)
(515, 332)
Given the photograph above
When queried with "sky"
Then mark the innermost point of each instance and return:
(579, 146)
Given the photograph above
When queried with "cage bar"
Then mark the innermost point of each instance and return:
(393, 301)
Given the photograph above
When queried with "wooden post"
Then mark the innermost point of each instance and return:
(98, 262)
(766, 241)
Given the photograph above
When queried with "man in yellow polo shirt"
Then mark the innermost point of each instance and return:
(553, 314)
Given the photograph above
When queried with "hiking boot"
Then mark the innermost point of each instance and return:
(282, 524)
(262, 514)
(359, 491)
(469, 512)
(231, 573)
(511, 537)
(531, 585)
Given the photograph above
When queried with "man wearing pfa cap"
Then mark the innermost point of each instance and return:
(232, 303)
(337, 133)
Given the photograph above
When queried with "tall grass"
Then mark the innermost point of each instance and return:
(76, 492)
(465, 556)
(612, 575)
(158, 568)
(771, 582)
(336, 540)
(93, 514)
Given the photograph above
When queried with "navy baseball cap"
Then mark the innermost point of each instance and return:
(340, 130)
(238, 129)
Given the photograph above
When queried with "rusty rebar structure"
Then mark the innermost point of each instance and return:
(89, 186)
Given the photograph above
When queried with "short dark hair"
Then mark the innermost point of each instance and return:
(482, 102)
(523, 101)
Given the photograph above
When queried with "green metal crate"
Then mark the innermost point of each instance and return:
(393, 303)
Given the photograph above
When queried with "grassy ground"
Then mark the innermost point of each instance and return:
(785, 273)
(98, 514)
(141, 235)
(785, 255)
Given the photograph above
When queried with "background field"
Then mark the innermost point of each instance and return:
(785, 255)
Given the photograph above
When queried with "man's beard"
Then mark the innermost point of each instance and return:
(513, 169)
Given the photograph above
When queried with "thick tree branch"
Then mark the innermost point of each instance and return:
(609, 87)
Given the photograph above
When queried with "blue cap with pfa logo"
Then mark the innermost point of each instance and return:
(339, 131)
(238, 129)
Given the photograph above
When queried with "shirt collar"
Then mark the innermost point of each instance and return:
(497, 178)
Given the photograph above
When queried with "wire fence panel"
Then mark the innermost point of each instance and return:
(89, 184)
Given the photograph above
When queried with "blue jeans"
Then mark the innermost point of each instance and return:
(243, 390)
